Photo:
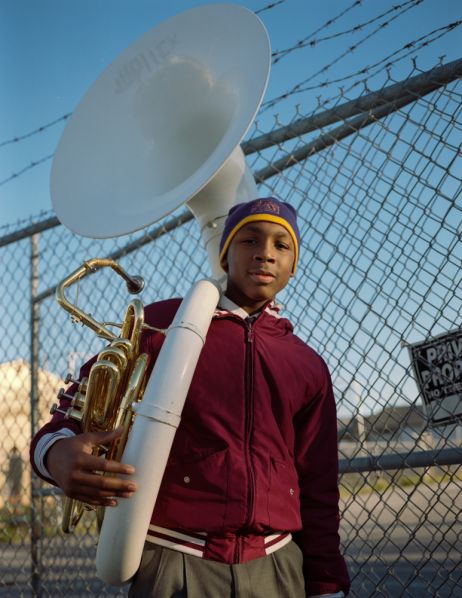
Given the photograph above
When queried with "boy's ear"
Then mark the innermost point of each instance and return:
(224, 265)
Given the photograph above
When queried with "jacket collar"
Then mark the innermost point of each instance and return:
(226, 306)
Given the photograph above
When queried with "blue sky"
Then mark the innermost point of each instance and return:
(52, 50)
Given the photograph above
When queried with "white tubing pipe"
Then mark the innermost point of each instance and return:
(158, 415)
(232, 184)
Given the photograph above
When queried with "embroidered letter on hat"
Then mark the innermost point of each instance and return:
(262, 206)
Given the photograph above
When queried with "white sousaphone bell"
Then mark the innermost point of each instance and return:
(160, 127)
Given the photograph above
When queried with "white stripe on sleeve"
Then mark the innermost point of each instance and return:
(44, 444)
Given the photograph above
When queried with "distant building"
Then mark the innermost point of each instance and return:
(15, 419)
(385, 425)
(397, 428)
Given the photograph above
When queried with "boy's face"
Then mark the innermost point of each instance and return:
(259, 264)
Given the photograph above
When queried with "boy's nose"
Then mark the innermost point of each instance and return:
(264, 254)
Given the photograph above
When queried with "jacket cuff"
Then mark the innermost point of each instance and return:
(44, 445)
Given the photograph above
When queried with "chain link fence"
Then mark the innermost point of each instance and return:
(377, 180)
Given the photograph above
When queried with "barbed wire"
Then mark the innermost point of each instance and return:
(411, 46)
(381, 63)
(279, 54)
(269, 6)
(33, 164)
(64, 117)
(270, 103)
(35, 131)
(299, 88)
(308, 41)
(385, 62)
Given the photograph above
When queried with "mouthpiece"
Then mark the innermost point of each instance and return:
(135, 284)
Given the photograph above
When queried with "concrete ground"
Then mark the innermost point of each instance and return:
(406, 542)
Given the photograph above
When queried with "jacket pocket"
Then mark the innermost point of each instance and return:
(283, 496)
(193, 493)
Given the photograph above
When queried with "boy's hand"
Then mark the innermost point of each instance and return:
(79, 473)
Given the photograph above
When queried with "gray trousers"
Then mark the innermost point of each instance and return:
(166, 573)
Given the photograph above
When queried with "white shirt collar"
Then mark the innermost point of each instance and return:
(225, 305)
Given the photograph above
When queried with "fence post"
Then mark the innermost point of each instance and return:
(35, 522)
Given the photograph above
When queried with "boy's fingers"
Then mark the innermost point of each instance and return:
(90, 499)
(92, 439)
(94, 495)
(116, 433)
(104, 484)
(97, 489)
(94, 463)
(96, 438)
(80, 473)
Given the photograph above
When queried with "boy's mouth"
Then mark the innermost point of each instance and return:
(262, 275)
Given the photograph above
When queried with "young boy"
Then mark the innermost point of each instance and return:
(248, 504)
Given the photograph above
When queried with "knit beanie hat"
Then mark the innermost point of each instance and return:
(268, 209)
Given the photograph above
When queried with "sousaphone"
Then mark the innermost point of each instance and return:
(160, 127)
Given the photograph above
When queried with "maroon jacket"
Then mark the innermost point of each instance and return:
(257, 442)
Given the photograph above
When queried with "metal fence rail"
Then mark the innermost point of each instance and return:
(377, 181)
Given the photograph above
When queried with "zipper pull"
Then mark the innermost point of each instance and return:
(249, 331)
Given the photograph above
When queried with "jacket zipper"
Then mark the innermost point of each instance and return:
(248, 432)
(249, 411)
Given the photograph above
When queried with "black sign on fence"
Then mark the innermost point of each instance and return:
(437, 366)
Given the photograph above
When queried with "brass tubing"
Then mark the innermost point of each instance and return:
(87, 268)
(116, 380)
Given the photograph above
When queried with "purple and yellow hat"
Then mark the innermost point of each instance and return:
(268, 209)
